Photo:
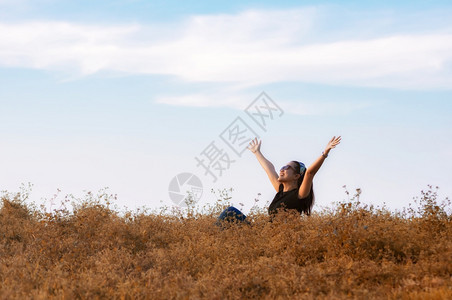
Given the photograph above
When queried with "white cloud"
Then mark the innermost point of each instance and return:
(199, 100)
(249, 48)
(232, 96)
(240, 100)
(305, 107)
(59, 45)
(9, 2)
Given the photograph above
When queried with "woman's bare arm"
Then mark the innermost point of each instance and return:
(305, 187)
(255, 147)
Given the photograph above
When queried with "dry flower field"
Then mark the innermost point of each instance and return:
(349, 251)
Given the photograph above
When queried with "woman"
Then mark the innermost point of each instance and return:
(293, 184)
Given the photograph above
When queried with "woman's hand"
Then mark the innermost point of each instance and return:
(333, 143)
(254, 145)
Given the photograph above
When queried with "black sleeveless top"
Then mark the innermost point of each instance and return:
(288, 200)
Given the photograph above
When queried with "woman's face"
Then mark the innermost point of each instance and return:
(288, 173)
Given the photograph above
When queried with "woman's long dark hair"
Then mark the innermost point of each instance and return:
(308, 202)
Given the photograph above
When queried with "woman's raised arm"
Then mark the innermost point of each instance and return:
(305, 187)
(315, 166)
(255, 147)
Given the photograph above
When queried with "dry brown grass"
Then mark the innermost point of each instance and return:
(351, 251)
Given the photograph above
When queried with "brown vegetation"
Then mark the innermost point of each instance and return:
(351, 251)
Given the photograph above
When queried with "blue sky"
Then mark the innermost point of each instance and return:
(125, 95)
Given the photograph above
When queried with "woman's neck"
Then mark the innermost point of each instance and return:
(288, 186)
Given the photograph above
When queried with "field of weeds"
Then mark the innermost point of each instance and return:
(350, 251)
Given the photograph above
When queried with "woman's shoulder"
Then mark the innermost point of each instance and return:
(307, 197)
